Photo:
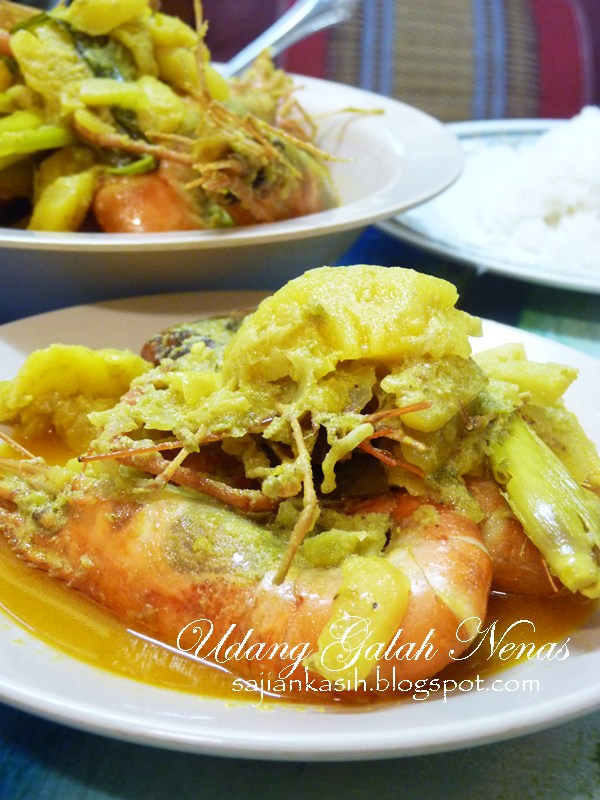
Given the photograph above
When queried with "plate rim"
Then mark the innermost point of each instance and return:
(260, 743)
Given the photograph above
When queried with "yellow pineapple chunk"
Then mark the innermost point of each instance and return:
(335, 314)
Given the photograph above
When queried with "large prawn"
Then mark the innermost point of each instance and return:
(261, 175)
(172, 561)
(196, 562)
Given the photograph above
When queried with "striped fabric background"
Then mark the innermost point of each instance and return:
(468, 59)
(456, 59)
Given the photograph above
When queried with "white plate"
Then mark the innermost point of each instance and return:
(35, 678)
(442, 225)
(389, 162)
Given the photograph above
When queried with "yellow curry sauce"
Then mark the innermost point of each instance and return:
(80, 628)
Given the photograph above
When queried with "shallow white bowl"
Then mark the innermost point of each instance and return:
(392, 161)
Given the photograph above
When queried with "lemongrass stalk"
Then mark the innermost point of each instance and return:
(560, 517)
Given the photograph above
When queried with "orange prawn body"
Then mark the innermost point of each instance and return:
(519, 567)
(294, 184)
(144, 204)
(191, 573)
(153, 202)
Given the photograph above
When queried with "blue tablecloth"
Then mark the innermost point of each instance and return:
(43, 760)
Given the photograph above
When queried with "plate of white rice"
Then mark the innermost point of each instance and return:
(526, 205)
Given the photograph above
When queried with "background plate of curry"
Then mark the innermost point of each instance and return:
(73, 664)
(388, 157)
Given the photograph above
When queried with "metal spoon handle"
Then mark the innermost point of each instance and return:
(304, 18)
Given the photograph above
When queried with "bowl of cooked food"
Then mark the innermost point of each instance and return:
(129, 165)
(349, 521)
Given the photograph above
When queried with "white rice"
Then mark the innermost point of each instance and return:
(537, 203)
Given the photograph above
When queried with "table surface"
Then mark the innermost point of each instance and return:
(40, 759)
